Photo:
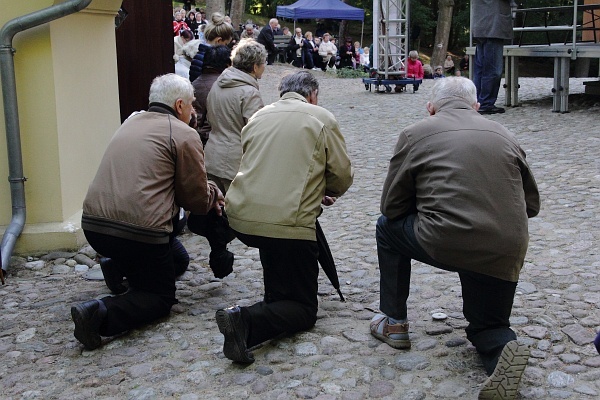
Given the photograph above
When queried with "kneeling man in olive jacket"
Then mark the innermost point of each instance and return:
(294, 160)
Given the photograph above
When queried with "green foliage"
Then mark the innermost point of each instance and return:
(348, 73)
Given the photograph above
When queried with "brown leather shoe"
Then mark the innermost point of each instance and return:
(395, 335)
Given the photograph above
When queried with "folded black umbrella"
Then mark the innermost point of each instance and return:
(326, 260)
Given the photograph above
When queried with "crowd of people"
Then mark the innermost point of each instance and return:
(229, 166)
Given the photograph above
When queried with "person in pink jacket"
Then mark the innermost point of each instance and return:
(414, 69)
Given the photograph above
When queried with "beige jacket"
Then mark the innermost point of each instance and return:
(233, 99)
(467, 180)
(294, 154)
(153, 165)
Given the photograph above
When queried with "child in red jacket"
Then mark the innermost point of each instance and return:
(414, 69)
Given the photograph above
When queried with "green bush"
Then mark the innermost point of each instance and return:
(347, 73)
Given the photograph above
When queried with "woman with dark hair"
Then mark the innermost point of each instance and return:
(217, 32)
(192, 23)
(216, 59)
(179, 42)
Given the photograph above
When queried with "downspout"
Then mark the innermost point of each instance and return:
(11, 114)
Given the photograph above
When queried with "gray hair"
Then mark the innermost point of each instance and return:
(453, 87)
(169, 88)
(302, 82)
(413, 53)
(247, 54)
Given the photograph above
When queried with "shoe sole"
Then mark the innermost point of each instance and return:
(234, 347)
(90, 339)
(505, 380)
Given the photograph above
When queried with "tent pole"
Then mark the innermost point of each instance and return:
(362, 30)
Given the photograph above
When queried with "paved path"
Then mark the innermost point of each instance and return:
(557, 307)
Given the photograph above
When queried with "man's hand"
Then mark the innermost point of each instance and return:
(219, 203)
(328, 201)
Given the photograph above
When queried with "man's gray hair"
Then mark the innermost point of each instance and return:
(453, 87)
(167, 89)
(247, 54)
(303, 83)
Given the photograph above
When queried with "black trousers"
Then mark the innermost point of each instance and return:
(487, 301)
(150, 271)
(290, 272)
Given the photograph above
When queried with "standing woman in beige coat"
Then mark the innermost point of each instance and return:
(233, 99)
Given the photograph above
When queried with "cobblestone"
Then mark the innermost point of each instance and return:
(556, 307)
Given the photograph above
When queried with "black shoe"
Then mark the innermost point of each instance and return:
(493, 110)
(235, 331)
(221, 263)
(88, 317)
(112, 277)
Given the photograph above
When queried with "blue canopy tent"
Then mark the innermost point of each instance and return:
(326, 9)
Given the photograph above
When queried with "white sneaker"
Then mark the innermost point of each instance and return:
(315, 69)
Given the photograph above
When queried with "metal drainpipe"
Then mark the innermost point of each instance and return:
(11, 114)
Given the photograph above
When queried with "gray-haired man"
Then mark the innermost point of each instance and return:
(457, 196)
(153, 165)
(294, 160)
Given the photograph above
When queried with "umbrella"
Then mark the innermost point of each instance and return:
(326, 260)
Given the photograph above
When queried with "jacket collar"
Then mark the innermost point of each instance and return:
(453, 103)
(162, 108)
(294, 96)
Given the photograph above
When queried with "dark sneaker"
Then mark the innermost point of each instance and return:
(221, 263)
(235, 331)
(88, 317)
(395, 335)
(504, 381)
(493, 110)
(112, 277)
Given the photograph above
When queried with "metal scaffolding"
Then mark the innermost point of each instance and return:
(391, 25)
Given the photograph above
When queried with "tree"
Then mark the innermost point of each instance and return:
(442, 34)
(213, 6)
(237, 12)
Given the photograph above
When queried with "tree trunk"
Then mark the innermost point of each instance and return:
(213, 6)
(342, 32)
(237, 12)
(444, 23)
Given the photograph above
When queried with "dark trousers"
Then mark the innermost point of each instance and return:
(290, 272)
(150, 271)
(487, 301)
(487, 71)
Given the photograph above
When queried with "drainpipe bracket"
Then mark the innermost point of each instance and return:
(6, 47)
(17, 180)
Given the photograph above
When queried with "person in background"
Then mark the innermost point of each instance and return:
(218, 32)
(313, 60)
(216, 60)
(233, 99)
(129, 215)
(492, 27)
(449, 67)
(192, 23)
(438, 72)
(296, 46)
(414, 69)
(179, 41)
(179, 23)
(249, 32)
(236, 37)
(364, 59)
(347, 55)
(457, 196)
(328, 52)
(266, 37)
(292, 140)
(464, 64)
(182, 66)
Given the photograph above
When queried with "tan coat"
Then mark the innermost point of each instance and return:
(467, 179)
(294, 154)
(233, 99)
(153, 165)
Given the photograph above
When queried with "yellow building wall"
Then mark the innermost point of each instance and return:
(68, 100)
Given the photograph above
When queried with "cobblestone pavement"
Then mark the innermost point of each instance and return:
(557, 307)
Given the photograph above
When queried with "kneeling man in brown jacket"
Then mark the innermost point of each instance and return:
(457, 196)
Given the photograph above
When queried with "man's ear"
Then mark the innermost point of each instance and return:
(431, 109)
(178, 107)
(476, 106)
